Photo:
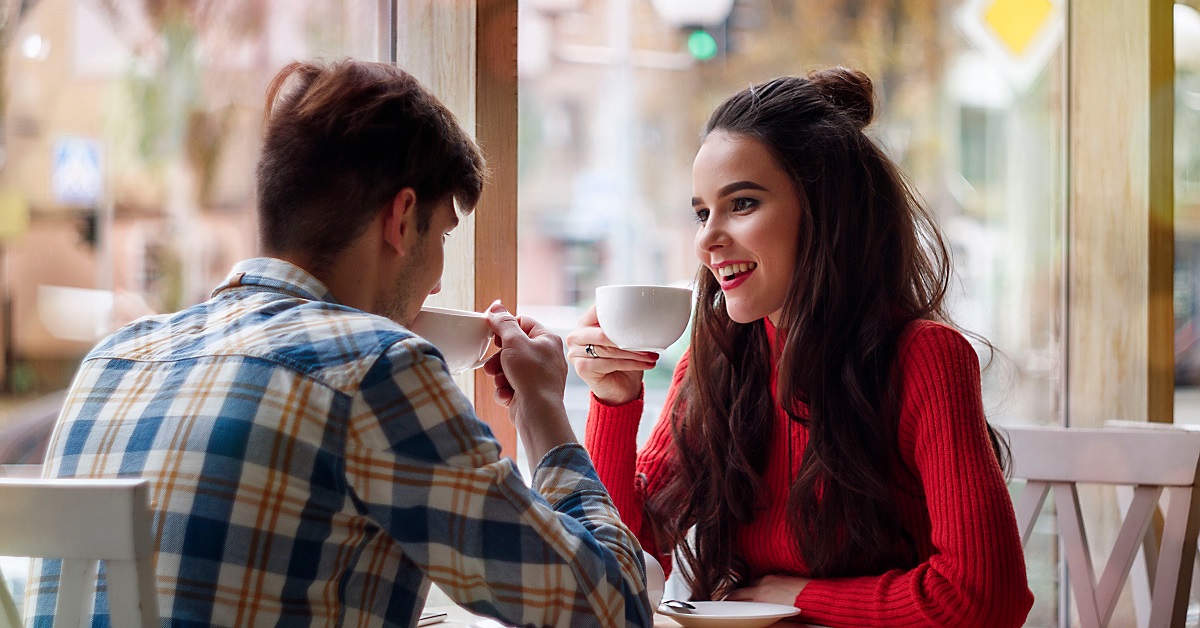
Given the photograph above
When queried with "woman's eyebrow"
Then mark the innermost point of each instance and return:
(736, 186)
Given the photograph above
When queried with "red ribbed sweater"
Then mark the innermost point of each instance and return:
(955, 504)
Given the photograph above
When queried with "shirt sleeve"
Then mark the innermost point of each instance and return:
(632, 477)
(975, 575)
(429, 472)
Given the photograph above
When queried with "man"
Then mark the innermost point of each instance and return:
(311, 461)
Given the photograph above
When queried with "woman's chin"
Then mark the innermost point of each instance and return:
(743, 317)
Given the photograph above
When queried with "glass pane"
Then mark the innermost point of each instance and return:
(1187, 214)
(128, 145)
(971, 105)
(606, 154)
(129, 141)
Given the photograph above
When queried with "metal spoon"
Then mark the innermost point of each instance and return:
(679, 605)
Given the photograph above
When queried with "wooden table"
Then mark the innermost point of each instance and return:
(458, 617)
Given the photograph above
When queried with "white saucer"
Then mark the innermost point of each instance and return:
(729, 614)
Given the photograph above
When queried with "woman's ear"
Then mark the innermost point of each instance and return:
(400, 221)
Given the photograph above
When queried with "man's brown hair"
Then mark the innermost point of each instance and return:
(341, 140)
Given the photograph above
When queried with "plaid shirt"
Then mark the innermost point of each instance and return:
(315, 465)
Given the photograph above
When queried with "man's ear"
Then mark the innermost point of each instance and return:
(400, 221)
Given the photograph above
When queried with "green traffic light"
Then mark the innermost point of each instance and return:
(702, 45)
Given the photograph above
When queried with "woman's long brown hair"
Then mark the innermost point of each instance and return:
(870, 260)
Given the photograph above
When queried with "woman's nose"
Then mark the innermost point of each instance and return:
(711, 236)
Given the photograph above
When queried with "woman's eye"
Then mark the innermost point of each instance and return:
(743, 203)
(700, 216)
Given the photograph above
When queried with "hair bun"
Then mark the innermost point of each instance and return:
(848, 90)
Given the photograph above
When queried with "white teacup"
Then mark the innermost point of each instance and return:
(462, 336)
(643, 318)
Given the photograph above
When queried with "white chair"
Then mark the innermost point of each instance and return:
(82, 522)
(1152, 463)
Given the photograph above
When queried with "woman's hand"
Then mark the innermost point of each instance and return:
(614, 375)
(772, 589)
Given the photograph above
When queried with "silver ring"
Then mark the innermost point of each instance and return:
(591, 350)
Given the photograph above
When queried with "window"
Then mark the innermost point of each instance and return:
(130, 135)
(980, 135)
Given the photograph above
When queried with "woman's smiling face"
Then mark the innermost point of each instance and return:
(748, 209)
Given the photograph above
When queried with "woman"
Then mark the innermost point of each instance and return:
(824, 435)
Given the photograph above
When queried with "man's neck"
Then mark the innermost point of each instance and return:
(351, 276)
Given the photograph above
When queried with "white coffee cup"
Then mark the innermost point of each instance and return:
(462, 336)
(643, 318)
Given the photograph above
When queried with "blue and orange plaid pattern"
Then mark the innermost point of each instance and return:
(314, 465)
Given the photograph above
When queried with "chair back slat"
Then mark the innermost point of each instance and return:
(1125, 548)
(1148, 463)
(1029, 504)
(1104, 456)
(1176, 555)
(83, 522)
(1075, 547)
(76, 589)
(1146, 564)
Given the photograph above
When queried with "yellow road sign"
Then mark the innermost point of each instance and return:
(1017, 22)
(1018, 36)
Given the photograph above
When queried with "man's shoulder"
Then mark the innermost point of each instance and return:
(331, 343)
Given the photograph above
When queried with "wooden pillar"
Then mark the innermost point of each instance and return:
(1120, 233)
(1120, 362)
(465, 51)
(495, 237)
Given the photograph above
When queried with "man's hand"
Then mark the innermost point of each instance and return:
(772, 589)
(530, 374)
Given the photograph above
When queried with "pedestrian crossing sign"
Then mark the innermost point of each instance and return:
(77, 172)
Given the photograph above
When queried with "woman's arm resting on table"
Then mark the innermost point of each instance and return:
(772, 589)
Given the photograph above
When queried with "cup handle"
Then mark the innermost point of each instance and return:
(480, 362)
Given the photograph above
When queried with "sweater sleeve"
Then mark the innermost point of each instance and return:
(631, 477)
(975, 575)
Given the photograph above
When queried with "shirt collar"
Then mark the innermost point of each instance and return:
(276, 275)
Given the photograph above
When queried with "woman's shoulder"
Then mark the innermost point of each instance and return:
(936, 368)
(921, 336)
(927, 347)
